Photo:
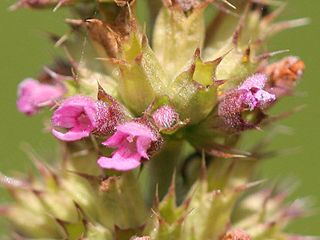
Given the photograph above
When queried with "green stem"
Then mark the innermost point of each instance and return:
(160, 170)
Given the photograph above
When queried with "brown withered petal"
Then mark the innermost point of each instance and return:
(127, 233)
(59, 70)
(104, 35)
(236, 235)
(283, 75)
(108, 183)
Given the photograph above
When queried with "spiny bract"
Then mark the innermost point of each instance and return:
(149, 110)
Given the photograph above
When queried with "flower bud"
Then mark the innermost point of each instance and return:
(33, 95)
(165, 118)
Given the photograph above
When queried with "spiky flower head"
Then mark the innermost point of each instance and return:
(150, 117)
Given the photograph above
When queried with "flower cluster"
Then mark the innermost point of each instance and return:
(79, 116)
(171, 99)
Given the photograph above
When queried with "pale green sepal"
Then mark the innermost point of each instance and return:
(193, 92)
(98, 232)
(176, 36)
(220, 32)
(122, 200)
(141, 75)
(234, 68)
(54, 201)
(89, 79)
(199, 205)
(36, 224)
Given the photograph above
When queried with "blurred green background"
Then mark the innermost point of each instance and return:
(24, 49)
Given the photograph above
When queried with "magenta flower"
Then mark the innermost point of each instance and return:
(76, 114)
(38, 3)
(248, 97)
(254, 91)
(132, 141)
(32, 95)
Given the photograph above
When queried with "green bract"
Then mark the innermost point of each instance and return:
(189, 81)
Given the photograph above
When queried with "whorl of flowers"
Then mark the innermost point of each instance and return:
(150, 117)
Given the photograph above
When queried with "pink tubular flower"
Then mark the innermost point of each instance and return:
(78, 115)
(32, 95)
(132, 141)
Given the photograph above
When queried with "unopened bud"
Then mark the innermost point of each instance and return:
(165, 117)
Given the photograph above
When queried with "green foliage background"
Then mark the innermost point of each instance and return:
(24, 49)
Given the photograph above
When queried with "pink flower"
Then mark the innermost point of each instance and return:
(248, 97)
(78, 115)
(254, 89)
(38, 3)
(132, 141)
(32, 95)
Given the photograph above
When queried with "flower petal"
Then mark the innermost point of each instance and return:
(263, 98)
(76, 114)
(115, 140)
(70, 136)
(136, 129)
(65, 116)
(143, 145)
(32, 95)
(257, 80)
(116, 162)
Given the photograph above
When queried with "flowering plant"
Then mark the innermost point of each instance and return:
(150, 117)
